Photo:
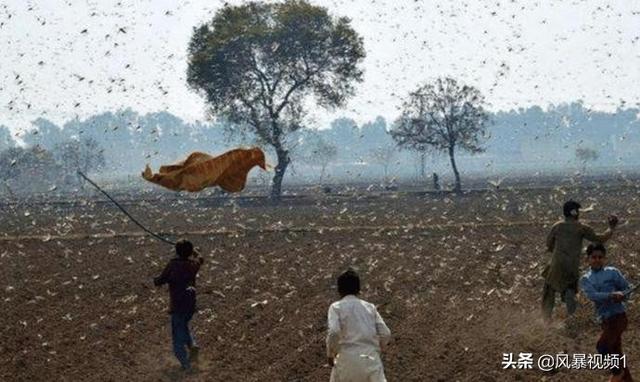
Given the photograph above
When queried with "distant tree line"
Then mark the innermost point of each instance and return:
(39, 169)
(517, 140)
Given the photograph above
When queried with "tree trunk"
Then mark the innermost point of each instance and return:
(458, 186)
(81, 180)
(324, 167)
(423, 165)
(281, 167)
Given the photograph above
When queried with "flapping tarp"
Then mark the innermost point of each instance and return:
(199, 171)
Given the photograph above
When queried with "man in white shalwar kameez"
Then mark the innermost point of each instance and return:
(356, 336)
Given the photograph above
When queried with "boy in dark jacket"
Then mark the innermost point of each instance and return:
(180, 274)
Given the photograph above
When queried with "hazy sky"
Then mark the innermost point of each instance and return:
(62, 59)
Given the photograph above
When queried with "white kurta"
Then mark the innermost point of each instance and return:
(356, 333)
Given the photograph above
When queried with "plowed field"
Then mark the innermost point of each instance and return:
(455, 277)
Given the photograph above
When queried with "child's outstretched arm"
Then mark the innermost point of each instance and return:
(164, 276)
(551, 240)
(333, 334)
(622, 285)
(592, 293)
(591, 235)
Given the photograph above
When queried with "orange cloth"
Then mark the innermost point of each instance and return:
(200, 170)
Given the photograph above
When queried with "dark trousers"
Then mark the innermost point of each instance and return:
(549, 300)
(181, 337)
(610, 341)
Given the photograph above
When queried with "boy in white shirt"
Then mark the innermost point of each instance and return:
(357, 335)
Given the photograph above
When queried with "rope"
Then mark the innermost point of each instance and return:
(125, 211)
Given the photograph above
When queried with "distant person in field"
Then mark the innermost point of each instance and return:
(180, 273)
(606, 287)
(357, 335)
(565, 243)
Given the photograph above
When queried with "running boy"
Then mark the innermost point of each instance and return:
(605, 286)
(180, 274)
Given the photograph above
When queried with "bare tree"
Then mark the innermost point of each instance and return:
(84, 155)
(317, 151)
(257, 63)
(443, 116)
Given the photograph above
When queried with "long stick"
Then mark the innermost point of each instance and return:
(125, 211)
(631, 290)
